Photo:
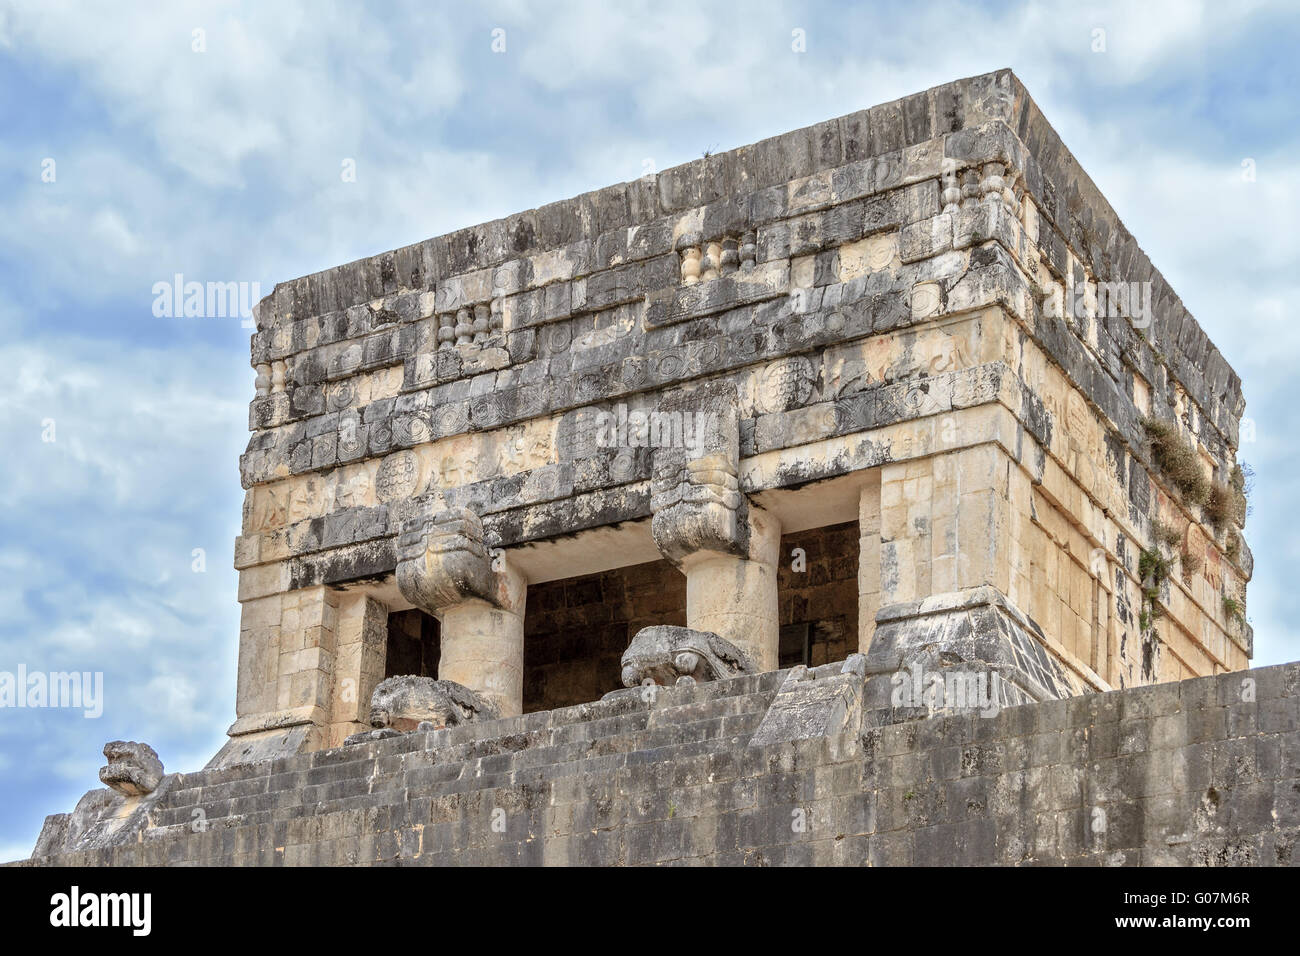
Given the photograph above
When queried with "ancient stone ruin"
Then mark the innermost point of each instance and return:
(873, 459)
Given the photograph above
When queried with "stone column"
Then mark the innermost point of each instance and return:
(287, 647)
(361, 643)
(944, 524)
(735, 596)
(444, 568)
(704, 525)
(949, 558)
(868, 561)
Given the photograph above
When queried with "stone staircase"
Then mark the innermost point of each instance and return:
(570, 757)
(791, 767)
(586, 738)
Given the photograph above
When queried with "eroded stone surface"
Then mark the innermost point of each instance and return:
(922, 317)
(666, 655)
(924, 304)
(133, 768)
(404, 703)
(1197, 772)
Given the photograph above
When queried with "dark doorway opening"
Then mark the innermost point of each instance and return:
(414, 644)
(576, 629)
(818, 595)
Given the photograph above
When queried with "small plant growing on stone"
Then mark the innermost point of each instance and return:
(1177, 459)
(1153, 566)
(1238, 478)
(1167, 534)
(1234, 609)
(1153, 571)
(1233, 548)
(1189, 563)
(1221, 506)
(1242, 480)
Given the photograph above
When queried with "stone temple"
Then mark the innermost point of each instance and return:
(863, 495)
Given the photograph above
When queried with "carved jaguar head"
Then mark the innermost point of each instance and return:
(665, 655)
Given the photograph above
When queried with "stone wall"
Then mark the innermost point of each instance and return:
(779, 768)
(905, 318)
(576, 630)
(819, 589)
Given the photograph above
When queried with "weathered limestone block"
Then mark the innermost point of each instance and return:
(260, 746)
(926, 301)
(359, 662)
(815, 702)
(404, 703)
(668, 655)
(444, 568)
(285, 690)
(63, 832)
(868, 560)
(442, 561)
(703, 524)
(695, 495)
(133, 768)
(966, 651)
(106, 818)
(736, 597)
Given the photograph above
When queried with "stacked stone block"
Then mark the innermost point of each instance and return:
(926, 305)
(1199, 772)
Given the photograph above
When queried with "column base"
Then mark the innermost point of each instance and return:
(269, 736)
(968, 641)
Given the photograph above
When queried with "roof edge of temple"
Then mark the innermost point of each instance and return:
(1065, 193)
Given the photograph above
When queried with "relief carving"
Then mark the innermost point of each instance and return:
(399, 476)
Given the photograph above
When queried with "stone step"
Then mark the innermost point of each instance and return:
(363, 782)
(716, 716)
(448, 783)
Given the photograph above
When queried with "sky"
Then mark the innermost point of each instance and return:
(214, 141)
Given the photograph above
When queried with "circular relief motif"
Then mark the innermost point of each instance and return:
(410, 430)
(785, 384)
(708, 354)
(451, 420)
(670, 365)
(485, 412)
(828, 420)
(590, 385)
(349, 440)
(350, 358)
(341, 396)
(558, 338)
(623, 466)
(381, 436)
(925, 299)
(541, 483)
(398, 476)
(919, 401)
(879, 255)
